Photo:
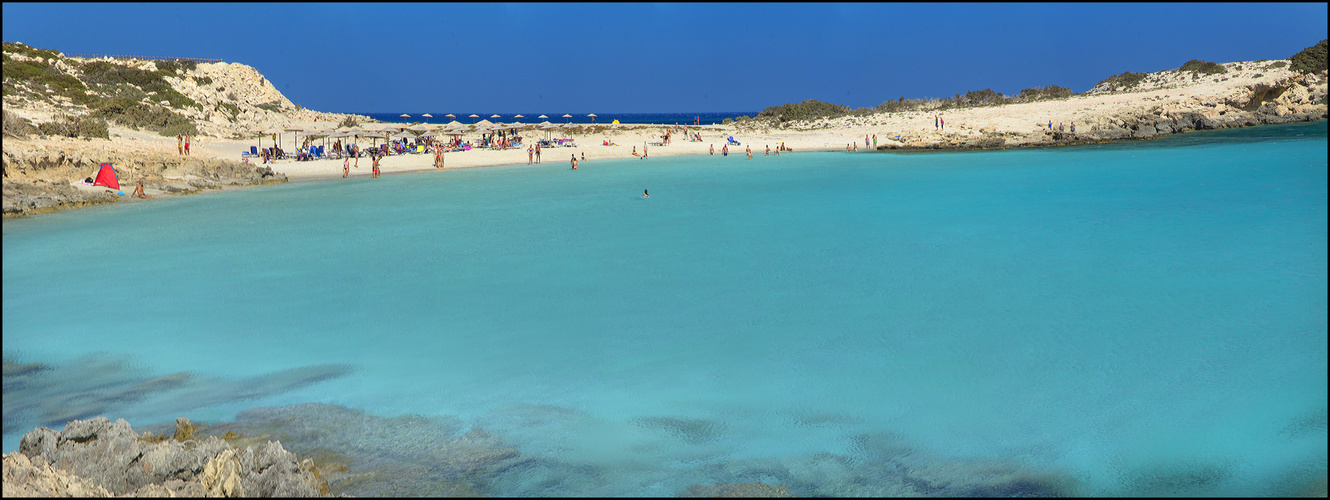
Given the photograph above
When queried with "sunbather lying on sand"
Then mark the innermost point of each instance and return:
(138, 191)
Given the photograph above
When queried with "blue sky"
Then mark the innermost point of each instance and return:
(636, 58)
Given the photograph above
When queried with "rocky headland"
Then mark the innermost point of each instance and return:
(64, 116)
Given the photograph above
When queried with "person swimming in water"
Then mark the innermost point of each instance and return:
(644, 194)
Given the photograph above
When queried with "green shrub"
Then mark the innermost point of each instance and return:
(69, 126)
(1204, 67)
(349, 121)
(270, 106)
(109, 77)
(131, 113)
(1310, 60)
(727, 121)
(1047, 92)
(17, 126)
(19, 48)
(1278, 64)
(203, 81)
(41, 74)
(179, 129)
(231, 109)
(1124, 81)
(984, 97)
(809, 109)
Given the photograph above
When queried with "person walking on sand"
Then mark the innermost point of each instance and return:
(942, 122)
(574, 162)
(179, 145)
(186, 144)
(537, 152)
(935, 122)
(530, 150)
(346, 167)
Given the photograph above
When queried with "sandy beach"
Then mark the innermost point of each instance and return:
(39, 169)
(1024, 124)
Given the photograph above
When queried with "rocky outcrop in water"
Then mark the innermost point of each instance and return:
(97, 457)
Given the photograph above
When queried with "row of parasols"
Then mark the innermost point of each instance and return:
(410, 132)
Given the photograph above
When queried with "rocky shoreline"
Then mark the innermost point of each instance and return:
(100, 458)
(39, 178)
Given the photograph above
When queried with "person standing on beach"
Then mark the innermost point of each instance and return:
(537, 152)
(865, 140)
(1050, 125)
(530, 150)
(1073, 127)
(179, 145)
(874, 141)
(768, 150)
(346, 167)
(574, 162)
(644, 151)
(942, 122)
(375, 162)
(725, 150)
(935, 122)
(749, 152)
(711, 150)
(186, 144)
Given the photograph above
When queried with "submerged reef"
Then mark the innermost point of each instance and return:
(51, 395)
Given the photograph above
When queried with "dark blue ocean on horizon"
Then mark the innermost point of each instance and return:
(707, 118)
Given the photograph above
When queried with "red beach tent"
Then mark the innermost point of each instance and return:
(106, 177)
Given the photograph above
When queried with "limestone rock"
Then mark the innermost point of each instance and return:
(113, 457)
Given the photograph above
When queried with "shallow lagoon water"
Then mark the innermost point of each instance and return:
(1108, 311)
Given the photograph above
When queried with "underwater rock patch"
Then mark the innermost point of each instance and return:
(382, 456)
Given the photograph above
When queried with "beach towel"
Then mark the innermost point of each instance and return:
(106, 177)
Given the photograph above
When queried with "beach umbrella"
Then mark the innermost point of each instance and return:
(404, 115)
(427, 117)
(297, 131)
(569, 117)
(494, 116)
(418, 128)
(450, 115)
(473, 117)
(592, 116)
(485, 123)
(542, 117)
(519, 116)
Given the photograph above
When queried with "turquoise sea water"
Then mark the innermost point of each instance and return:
(1148, 318)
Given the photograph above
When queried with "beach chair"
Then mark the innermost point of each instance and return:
(252, 153)
(733, 142)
